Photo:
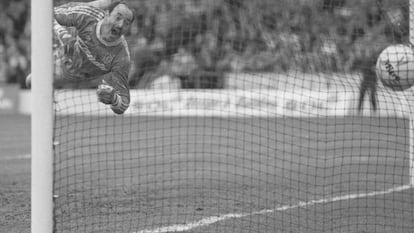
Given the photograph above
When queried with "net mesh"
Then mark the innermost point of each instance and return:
(245, 116)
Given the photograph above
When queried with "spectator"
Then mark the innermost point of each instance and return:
(228, 35)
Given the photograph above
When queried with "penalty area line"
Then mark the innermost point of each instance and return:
(214, 219)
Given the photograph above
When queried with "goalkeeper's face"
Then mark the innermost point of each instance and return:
(117, 22)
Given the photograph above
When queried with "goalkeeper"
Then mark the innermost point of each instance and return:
(98, 51)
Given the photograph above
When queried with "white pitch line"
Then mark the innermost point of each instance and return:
(214, 219)
(15, 157)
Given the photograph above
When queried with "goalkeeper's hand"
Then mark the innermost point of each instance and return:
(68, 45)
(107, 94)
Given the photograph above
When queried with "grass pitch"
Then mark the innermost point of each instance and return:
(147, 174)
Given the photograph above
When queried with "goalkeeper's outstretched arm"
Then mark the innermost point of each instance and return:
(114, 90)
(117, 97)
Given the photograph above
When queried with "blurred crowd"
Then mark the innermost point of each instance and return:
(198, 41)
(14, 40)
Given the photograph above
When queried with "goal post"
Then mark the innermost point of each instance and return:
(42, 117)
(411, 145)
(410, 106)
(295, 156)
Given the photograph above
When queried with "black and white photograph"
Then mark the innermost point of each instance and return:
(207, 116)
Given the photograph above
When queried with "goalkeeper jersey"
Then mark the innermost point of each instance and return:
(92, 57)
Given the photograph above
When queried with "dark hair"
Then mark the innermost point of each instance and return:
(113, 5)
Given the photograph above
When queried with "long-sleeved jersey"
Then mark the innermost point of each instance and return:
(92, 57)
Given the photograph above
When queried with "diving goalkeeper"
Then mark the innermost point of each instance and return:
(98, 51)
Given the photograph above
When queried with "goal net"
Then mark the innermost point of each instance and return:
(245, 116)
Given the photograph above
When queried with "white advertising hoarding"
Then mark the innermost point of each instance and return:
(220, 103)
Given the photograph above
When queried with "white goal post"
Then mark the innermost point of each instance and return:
(42, 117)
(411, 133)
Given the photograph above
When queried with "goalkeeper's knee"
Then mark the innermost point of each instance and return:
(29, 81)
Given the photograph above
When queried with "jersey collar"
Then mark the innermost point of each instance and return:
(99, 36)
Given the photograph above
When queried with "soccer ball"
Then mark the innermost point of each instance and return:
(395, 67)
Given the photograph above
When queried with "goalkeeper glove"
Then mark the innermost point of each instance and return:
(68, 45)
(107, 94)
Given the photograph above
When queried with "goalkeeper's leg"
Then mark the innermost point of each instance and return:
(29, 81)
(102, 4)
(57, 74)
(63, 44)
